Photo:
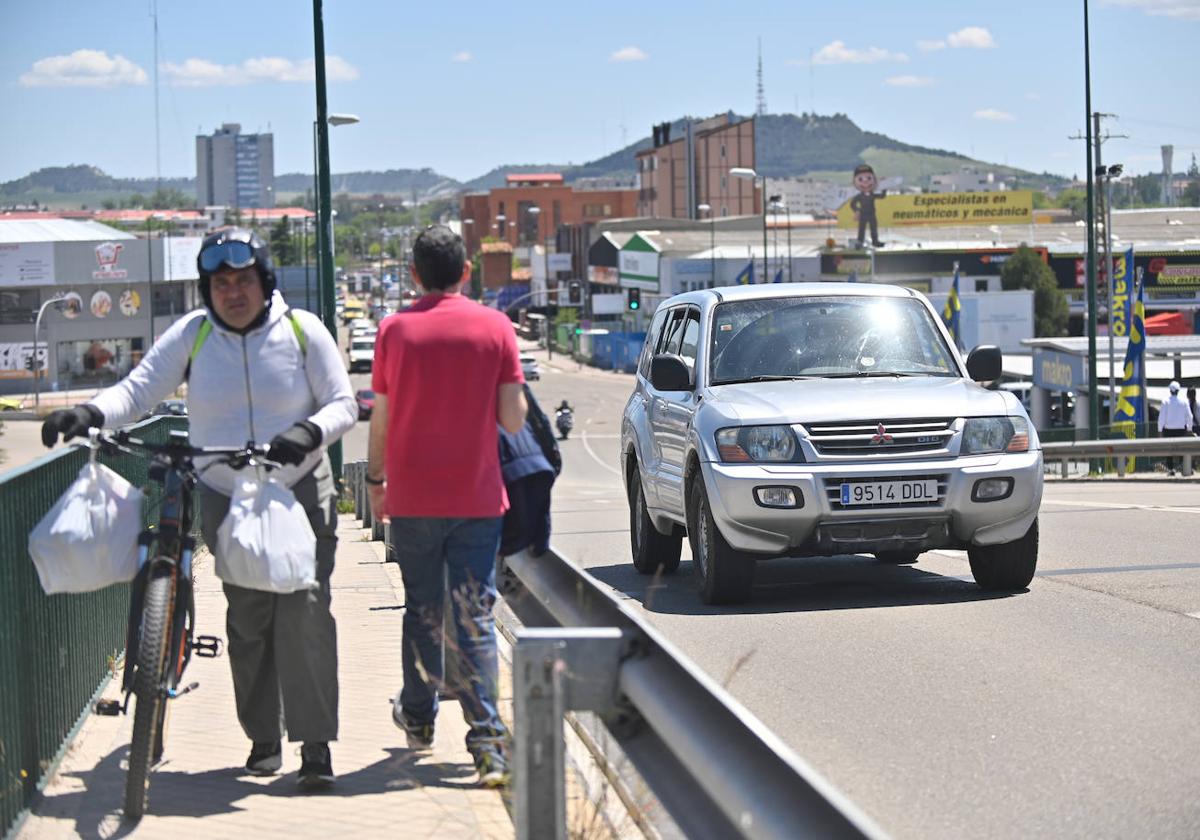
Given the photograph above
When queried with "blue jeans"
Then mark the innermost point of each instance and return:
(430, 551)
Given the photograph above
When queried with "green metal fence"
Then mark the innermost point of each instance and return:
(55, 651)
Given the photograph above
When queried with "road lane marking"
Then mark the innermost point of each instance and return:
(595, 457)
(1121, 506)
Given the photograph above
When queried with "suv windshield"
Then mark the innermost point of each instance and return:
(366, 344)
(783, 338)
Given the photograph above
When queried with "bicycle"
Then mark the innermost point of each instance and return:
(160, 638)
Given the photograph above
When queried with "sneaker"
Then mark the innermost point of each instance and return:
(420, 735)
(316, 768)
(266, 757)
(492, 769)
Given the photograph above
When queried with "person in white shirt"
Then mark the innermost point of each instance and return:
(256, 370)
(1175, 419)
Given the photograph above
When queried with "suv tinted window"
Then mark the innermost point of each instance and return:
(691, 335)
(653, 337)
(674, 329)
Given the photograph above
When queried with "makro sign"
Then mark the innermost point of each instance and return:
(1122, 292)
(1057, 371)
(1009, 207)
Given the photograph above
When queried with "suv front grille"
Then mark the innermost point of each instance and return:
(882, 439)
(833, 492)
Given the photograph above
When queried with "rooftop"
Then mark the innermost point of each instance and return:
(25, 231)
(534, 178)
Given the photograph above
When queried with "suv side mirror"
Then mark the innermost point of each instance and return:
(669, 372)
(985, 363)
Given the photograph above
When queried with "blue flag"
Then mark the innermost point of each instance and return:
(952, 311)
(779, 276)
(1131, 402)
(746, 275)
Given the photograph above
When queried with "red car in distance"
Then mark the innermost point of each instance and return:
(366, 401)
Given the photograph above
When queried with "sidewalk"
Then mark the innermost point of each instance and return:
(382, 790)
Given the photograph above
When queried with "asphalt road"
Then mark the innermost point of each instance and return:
(1069, 710)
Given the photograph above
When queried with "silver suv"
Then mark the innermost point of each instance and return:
(823, 419)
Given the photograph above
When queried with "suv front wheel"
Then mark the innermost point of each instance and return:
(652, 551)
(723, 574)
(1006, 566)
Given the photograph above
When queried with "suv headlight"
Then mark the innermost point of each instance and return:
(746, 444)
(995, 434)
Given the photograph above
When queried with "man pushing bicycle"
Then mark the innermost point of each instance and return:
(256, 370)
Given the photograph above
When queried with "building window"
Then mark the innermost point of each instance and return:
(98, 362)
(168, 299)
(722, 150)
(724, 210)
(723, 187)
(18, 306)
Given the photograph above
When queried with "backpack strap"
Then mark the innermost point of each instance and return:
(206, 329)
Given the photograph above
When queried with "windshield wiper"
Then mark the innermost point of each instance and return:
(862, 374)
(765, 377)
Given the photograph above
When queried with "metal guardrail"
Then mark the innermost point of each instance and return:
(54, 650)
(1184, 448)
(717, 770)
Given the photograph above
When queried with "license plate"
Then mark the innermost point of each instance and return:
(889, 492)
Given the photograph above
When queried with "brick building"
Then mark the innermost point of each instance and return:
(504, 212)
(679, 173)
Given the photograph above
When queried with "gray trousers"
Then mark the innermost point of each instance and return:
(283, 648)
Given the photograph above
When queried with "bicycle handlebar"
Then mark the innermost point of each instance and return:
(236, 457)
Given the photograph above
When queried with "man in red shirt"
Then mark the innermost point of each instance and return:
(446, 371)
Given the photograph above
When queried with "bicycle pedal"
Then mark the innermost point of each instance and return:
(179, 692)
(109, 708)
(208, 647)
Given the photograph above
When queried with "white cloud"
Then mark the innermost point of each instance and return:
(1033, 97)
(461, 57)
(628, 54)
(931, 46)
(971, 38)
(909, 81)
(993, 115)
(83, 68)
(836, 52)
(1181, 9)
(198, 72)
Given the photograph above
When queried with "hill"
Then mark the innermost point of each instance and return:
(826, 147)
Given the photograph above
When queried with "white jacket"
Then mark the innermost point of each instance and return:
(242, 387)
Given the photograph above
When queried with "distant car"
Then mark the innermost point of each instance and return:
(168, 408)
(366, 401)
(529, 367)
(362, 353)
(11, 404)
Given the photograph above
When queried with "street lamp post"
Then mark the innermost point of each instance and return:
(334, 120)
(535, 211)
(1093, 394)
(752, 176)
(712, 244)
(1107, 174)
(774, 202)
(37, 368)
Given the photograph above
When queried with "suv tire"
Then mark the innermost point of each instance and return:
(723, 574)
(652, 551)
(1007, 566)
(899, 558)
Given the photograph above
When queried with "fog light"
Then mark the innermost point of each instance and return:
(992, 489)
(779, 497)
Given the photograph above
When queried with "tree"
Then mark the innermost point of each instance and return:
(1025, 269)
(1075, 201)
(283, 248)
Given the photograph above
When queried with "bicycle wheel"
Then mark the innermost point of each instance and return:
(151, 704)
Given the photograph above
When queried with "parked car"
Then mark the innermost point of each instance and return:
(11, 404)
(362, 353)
(529, 367)
(365, 398)
(823, 419)
(175, 408)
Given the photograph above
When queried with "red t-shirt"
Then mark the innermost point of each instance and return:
(440, 363)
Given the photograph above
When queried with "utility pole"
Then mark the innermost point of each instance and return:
(1093, 395)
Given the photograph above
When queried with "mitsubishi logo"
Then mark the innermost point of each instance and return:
(881, 436)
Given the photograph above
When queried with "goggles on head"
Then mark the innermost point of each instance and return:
(230, 253)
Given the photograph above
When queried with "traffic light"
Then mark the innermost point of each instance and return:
(575, 293)
(633, 299)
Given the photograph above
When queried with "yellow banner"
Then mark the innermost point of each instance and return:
(1012, 207)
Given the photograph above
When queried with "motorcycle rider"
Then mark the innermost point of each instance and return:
(564, 418)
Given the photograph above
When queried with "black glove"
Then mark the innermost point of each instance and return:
(293, 446)
(71, 422)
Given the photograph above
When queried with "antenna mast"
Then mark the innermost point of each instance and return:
(761, 108)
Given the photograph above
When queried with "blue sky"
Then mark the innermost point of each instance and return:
(464, 87)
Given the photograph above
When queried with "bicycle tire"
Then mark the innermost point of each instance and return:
(151, 675)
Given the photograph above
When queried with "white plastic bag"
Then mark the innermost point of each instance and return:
(266, 541)
(88, 540)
